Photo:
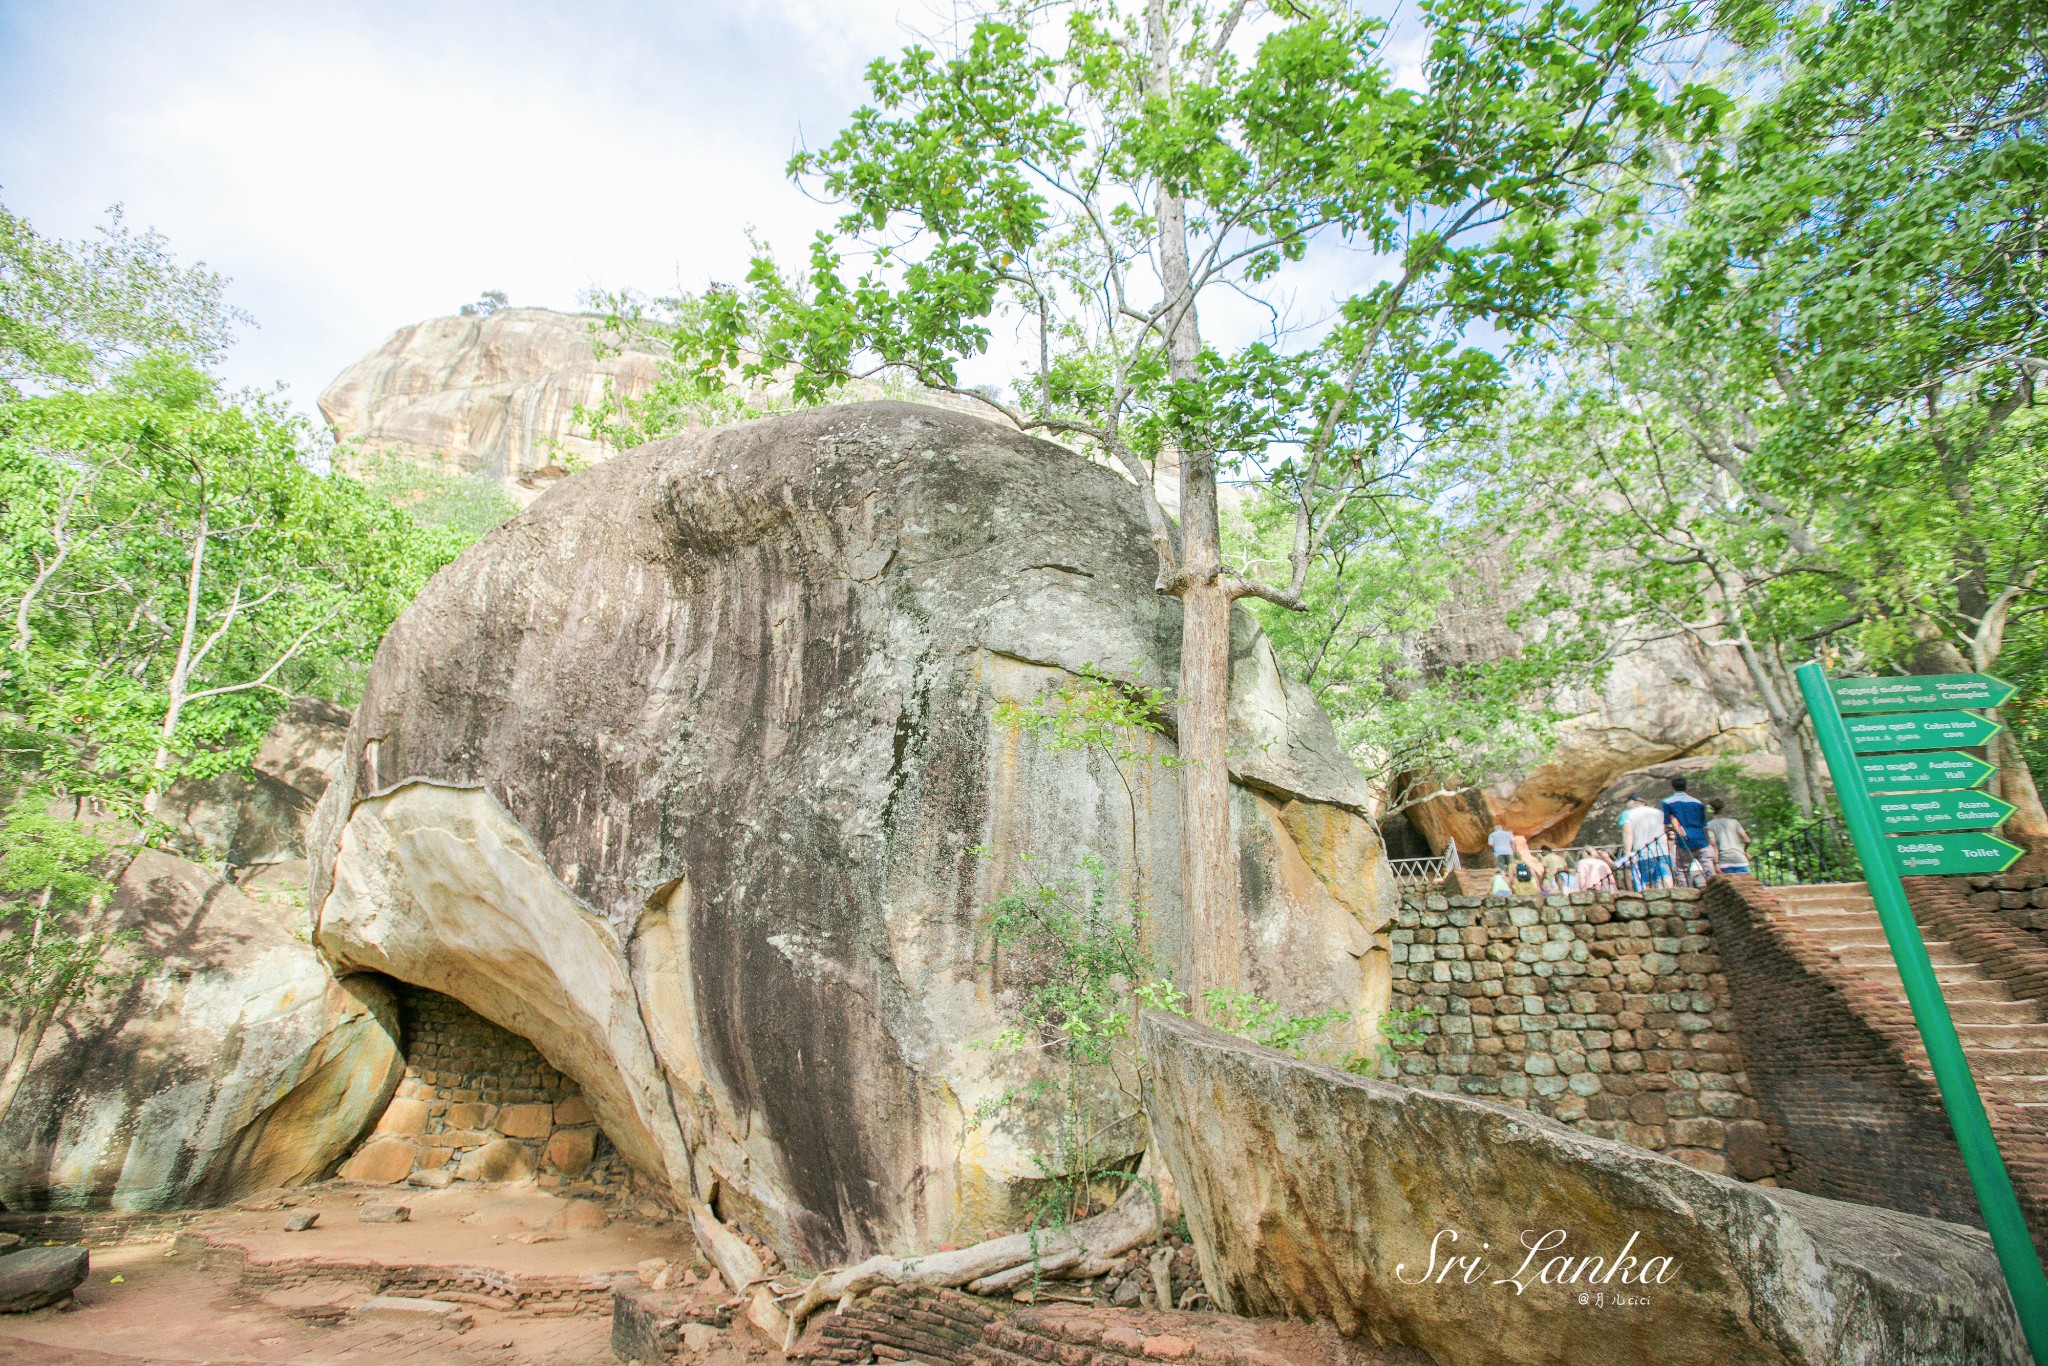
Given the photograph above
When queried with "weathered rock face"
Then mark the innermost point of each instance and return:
(1313, 1193)
(1667, 700)
(237, 1063)
(258, 815)
(682, 773)
(491, 395)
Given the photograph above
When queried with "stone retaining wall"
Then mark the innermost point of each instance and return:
(478, 1103)
(1609, 1013)
(2020, 900)
(1831, 1058)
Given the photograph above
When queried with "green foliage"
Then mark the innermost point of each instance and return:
(53, 947)
(1096, 711)
(1398, 1030)
(1251, 1016)
(172, 568)
(458, 507)
(70, 313)
(1031, 175)
(1387, 579)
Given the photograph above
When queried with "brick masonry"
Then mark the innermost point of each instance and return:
(1831, 1060)
(916, 1323)
(478, 1103)
(1609, 1013)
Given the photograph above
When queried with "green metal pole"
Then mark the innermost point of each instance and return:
(2001, 1208)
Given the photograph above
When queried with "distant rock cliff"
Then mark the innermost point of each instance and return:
(492, 395)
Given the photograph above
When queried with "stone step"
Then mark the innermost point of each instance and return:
(2015, 1089)
(2026, 1035)
(1991, 1012)
(1886, 974)
(1880, 956)
(2009, 1062)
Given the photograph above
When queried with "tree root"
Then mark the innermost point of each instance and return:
(1087, 1248)
(742, 1269)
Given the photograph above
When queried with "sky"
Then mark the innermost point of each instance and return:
(355, 166)
(358, 165)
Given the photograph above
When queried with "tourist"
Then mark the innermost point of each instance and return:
(1502, 842)
(1647, 852)
(1596, 872)
(1685, 821)
(1500, 884)
(1731, 841)
(1555, 867)
(1524, 881)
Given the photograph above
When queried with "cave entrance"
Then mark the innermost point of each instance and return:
(479, 1103)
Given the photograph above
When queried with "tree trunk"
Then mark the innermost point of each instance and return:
(1212, 955)
(1215, 947)
(26, 1042)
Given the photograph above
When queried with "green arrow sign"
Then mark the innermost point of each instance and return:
(1898, 812)
(1929, 730)
(1949, 772)
(1923, 854)
(1920, 692)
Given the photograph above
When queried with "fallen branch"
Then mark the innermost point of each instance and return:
(745, 1274)
(1091, 1243)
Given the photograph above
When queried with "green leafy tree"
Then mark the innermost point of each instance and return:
(1100, 175)
(56, 943)
(1803, 420)
(1419, 723)
(175, 571)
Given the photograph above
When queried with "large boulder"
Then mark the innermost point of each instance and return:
(1314, 1193)
(234, 1062)
(493, 395)
(689, 774)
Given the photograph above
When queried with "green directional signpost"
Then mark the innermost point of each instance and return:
(1898, 718)
(1928, 730)
(1899, 812)
(1949, 772)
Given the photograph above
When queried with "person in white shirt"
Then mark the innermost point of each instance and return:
(1502, 842)
(1648, 854)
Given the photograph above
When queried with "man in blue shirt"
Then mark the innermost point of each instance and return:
(1685, 818)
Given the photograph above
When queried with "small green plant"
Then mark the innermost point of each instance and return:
(1397, 1031)
(1076, 964)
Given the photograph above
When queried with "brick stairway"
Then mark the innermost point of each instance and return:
(2004, 1038)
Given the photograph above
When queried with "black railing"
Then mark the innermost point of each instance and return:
(1816, 850)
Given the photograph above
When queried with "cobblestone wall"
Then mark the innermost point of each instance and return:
(2021, 901)
(479, 1103)
(1608, 1013)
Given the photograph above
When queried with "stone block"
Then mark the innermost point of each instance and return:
(403, 1118)
(1750, 1153)
(526, 1121)
(407, 1309)
(499, 1160)
(570, 1150)
(382, 1161)
(643, 1328)
(471, 1115)
(572, 1111)
(384, 1214)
